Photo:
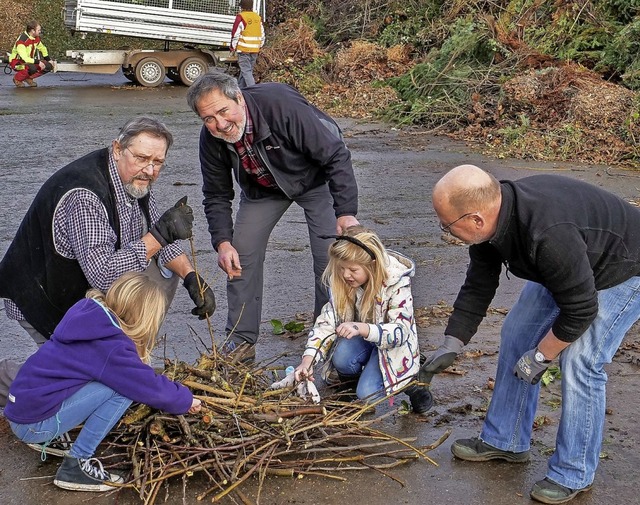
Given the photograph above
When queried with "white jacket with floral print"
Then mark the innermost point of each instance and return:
(394, 333)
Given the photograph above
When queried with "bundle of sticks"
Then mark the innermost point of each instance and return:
(247, 429)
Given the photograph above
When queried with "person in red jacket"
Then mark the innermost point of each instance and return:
(93, 367)
(29, 56)
(247, 38)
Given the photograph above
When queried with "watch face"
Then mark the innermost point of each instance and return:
(539, 357)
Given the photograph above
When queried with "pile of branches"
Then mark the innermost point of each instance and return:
(345, 84)
(246, 429)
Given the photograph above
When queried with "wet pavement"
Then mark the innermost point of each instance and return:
(68, 115)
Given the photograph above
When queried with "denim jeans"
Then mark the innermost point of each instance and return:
(509, 421)
(356, 357)
(97, 405)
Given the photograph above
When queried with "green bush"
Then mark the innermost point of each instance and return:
(622, 55)
(414, 24)
(438, 92)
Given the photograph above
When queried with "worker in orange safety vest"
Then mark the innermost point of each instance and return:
(247, 38)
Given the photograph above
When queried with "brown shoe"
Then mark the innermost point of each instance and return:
(19, 84)
(31, 82)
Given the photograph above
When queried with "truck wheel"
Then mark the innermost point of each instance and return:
(150, 72)
(191, 69)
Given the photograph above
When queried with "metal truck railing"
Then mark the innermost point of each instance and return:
(189, 21)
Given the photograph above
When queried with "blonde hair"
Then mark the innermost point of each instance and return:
(344, 296)
(139, 304)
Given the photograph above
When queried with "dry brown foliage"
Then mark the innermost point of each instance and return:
(365, 62)
(341, 86)
(290, 43)
(356, 67)
(360, 101)
(572, 113)
(568, 92)
(13, 18)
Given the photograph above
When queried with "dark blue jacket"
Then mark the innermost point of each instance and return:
(301, 146)
(569, 236)
(88, 345)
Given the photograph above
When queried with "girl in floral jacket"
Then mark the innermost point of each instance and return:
(367, 330)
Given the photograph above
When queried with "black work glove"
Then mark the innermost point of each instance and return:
(442, 358)
(176, 223)
(201, 294)
(531, 366)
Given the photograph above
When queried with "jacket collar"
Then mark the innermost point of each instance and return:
(261, 129)
(505, 215)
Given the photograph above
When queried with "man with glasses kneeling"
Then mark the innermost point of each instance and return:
(92, 221)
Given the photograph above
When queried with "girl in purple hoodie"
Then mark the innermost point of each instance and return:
(93, 367)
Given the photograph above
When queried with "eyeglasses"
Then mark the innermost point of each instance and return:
(447, 228)
(143, 162)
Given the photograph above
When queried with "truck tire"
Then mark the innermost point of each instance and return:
(150, 72)
(191, 69)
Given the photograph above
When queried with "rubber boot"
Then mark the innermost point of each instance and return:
(421, 399)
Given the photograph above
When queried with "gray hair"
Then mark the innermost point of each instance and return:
(214, 80)
(143, 124)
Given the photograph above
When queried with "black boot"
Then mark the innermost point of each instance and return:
(421, 399)
(346, 386)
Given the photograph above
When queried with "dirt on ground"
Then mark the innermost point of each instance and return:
(69, 115)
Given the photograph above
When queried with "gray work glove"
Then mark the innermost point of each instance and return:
(201, 294)
(176, 223)
(531, 366)
(442, 358)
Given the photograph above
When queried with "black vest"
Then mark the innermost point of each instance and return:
(42, 283)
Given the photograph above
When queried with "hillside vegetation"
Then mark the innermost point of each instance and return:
(553, 80)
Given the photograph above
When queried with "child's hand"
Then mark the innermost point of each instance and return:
(304, 370)
(196, 405)
(351, 329)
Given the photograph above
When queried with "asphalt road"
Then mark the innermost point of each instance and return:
(69, 115)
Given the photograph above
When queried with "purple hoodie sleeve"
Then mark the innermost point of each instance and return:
(125, 373)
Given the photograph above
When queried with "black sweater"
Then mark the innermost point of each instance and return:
(301, 146)
(569, 236)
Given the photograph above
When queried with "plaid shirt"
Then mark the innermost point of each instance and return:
(248, 159)
(81, 231)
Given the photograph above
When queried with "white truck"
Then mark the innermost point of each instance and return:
(187, 22)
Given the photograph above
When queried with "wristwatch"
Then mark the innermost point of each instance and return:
(540, 358)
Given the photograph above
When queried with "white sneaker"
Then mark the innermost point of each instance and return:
(58, 447)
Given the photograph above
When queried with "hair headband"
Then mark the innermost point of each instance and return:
(353, 240)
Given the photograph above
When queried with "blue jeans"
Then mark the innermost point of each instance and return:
(509, 421)
(97, 405)
(355, 357)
